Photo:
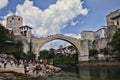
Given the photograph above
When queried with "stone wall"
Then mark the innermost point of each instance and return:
(84, 55)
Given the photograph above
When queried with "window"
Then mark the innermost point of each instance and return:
(12, 18)
(117, 22)
(19, 19)
(10, 21)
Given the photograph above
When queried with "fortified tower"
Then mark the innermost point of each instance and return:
(13, 24)
(20, 32)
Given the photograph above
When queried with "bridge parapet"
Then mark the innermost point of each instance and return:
(56, 36)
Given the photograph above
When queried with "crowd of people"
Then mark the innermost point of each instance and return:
(31, 67)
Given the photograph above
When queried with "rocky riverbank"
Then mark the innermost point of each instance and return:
(17, 73)
(11, 75)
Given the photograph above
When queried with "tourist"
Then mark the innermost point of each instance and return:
(11, 62)
(26, 69)
(5, 63)
(37, 69)
(0, 64)
(33, 68)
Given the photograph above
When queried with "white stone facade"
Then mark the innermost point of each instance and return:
(89, 35)
(101, 33)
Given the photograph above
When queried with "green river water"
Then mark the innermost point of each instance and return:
(85, 73)
(89, 73)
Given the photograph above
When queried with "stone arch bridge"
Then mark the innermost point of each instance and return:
(80, 45)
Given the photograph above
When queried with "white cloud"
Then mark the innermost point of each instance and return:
(3, 22)
(3, 3)
(55, 44)
(78, 36)
(53, 19)
(72, 23)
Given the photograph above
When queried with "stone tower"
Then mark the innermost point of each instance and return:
(13, 24)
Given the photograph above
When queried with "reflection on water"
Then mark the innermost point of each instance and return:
(88, 73)
(99, 73)
(84, 73)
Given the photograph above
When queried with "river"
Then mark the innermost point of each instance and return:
(88, 73)
(85, 73)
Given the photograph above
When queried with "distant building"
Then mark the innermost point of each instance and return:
(66, 50)
(113, 18)
(101, 33)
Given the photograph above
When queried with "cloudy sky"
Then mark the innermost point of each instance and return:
(68, 17)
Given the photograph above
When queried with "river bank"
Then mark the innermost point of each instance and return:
(100, 64)
(12, 75)
(17, 73)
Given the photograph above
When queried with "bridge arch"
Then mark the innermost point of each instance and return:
(39, 42)
(58, 39)
(81, 46)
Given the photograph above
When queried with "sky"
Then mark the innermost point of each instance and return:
(68, 17)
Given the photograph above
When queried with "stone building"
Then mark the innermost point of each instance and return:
(111, 29)
(13, 24)
(26, 34)
(25, 31)
(89, 35)
(101, 33)
(100, 41)
(113, 18)
(113, 23)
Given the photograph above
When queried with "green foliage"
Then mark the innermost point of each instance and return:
(4, 33)
(9, 45)
(58, 59)
(30, 56)
(43, 54)
(19, 45)
(18, 53)
(104, 51)
(93, 52)
(116, 42)
(5, 36)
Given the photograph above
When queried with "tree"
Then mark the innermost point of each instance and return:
(93, 52)
(4, 33)
(30, 56)
(43, 54)
(104, 51)
(7, 44)
(116, 42)
(51, 53)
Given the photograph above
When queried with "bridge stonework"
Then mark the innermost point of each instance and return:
(80, 45)
(14, 24)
